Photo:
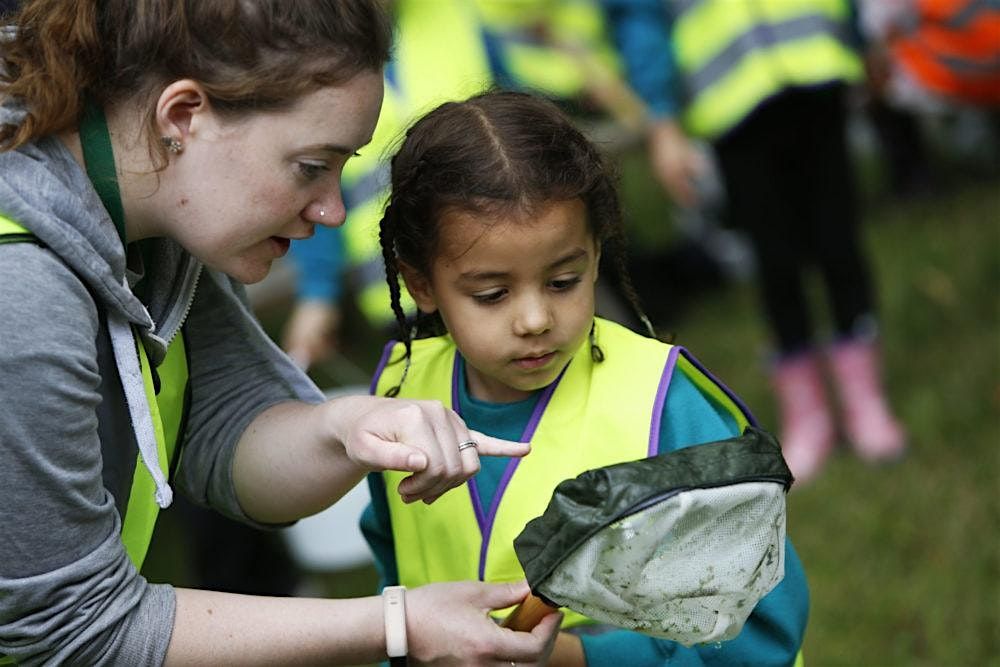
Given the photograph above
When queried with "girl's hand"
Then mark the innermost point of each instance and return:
(448, 624)
(421, 437)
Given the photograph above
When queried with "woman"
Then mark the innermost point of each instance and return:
(155, 156)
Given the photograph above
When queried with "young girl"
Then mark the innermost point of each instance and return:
(500, 215)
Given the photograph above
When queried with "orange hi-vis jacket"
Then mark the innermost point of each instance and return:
(953, 49)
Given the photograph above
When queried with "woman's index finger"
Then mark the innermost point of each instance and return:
(489, 446)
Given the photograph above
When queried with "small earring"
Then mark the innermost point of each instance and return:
(322, 212)
(596, 353)
(172, 145)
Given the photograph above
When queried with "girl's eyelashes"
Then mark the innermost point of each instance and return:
(310, 171)
(563, 284)
(558, 285)
(489, 297)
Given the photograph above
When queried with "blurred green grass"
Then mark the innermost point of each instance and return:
(903, 560)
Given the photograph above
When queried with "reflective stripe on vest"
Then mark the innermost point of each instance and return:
(457, 538)
(167, 409)
(735, 54)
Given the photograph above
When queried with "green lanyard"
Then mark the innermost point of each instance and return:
(100, 160)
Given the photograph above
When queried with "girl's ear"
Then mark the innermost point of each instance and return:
(419, 287)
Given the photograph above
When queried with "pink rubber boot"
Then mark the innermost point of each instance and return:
(807, 428)
(873, 431)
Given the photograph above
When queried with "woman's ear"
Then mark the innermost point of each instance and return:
(419, 287)
(181, 109)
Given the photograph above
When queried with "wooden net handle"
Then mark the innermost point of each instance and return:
(528, 614)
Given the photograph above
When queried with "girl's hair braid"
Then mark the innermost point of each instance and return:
(385, 237)
(604, 202)
(616, 248)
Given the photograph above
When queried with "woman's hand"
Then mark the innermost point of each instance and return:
(421, 437)
(448, 624)
(296, 459)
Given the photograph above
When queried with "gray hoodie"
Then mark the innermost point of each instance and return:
(68, 592)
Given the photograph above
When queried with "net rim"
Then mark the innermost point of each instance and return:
(581, 507)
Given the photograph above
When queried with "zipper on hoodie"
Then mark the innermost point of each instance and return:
(177, 315)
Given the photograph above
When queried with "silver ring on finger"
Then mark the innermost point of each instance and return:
(465, 445)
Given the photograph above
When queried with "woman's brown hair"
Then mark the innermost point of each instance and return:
(249, 55)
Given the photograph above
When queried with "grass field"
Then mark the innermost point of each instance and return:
(903, 561)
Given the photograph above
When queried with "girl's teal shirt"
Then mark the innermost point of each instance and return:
(773, 633)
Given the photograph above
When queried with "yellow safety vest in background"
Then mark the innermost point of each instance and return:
(734, 54)
(451, 540)
(552, 63)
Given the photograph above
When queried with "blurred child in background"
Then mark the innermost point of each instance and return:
(500, 214)
(936, 52)
(933, 69)
(765, 83)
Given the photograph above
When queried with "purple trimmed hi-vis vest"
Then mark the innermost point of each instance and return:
(593, 415)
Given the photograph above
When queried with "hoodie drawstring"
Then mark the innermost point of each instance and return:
(144, 412)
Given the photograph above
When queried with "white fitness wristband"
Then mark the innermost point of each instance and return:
(394, 611)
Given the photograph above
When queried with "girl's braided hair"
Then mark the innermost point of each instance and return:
(497, 153)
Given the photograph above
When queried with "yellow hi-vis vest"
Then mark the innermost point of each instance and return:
(167, 409)
(595, 414)
(427, 71)
(735, 54)
(557, 65)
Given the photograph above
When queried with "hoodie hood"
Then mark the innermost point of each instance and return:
(44, 189)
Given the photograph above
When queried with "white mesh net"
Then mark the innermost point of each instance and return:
(689, 569)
